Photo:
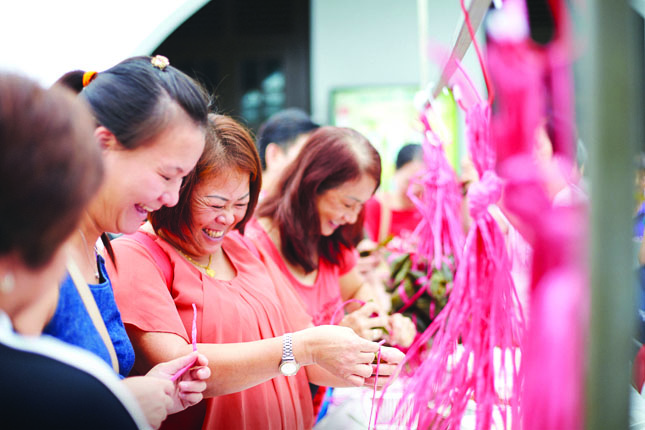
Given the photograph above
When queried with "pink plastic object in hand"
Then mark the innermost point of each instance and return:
(194, 336)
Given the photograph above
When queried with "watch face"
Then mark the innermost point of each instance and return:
(289, 368)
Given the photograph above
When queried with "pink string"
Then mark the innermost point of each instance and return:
(378, 356)
(341, 307)
(534, 83)
(194, 341)
(410, 301)
(378, 363)
(439, 232)
(489, 86)
(401, 290)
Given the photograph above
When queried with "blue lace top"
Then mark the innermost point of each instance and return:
(72, 324)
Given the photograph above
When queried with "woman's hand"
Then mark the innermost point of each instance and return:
(390, 359)
(366, 321)
(338, 350)
(369, 257)
(188, 388)
(154, 396)
(402, 330)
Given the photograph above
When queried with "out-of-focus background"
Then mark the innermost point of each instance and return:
(353, 63)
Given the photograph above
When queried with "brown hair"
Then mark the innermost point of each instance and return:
(228, 145)
(331, 157)
(50, 166)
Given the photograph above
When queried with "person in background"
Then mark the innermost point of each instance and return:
(309, 225)
(50, 170)
(278, 141)
(389, 215)
(308, 228)
(150, 126)
(251, 324)
(394, 214)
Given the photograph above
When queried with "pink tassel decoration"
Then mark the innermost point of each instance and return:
(437, 241)
(481, 317)
(534, 81)
(482, 314)
(439, 232)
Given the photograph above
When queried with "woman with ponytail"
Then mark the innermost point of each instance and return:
(150, 125)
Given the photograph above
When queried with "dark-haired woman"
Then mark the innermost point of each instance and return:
(251, 324)
(310, 224)
(150, 125)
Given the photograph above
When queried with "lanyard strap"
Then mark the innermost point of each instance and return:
(93, 310)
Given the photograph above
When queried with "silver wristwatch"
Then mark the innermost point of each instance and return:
(288, 365)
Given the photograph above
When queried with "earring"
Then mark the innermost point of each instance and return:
(7, 283)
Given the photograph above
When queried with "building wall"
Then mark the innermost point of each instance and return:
(361, 42)
(376, 42)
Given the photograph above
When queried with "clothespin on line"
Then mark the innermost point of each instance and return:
(476, 12)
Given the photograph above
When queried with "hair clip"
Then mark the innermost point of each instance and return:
(88, 77)
(160, 62)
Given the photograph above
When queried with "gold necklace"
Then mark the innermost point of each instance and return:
(89, 258)
(207, 267)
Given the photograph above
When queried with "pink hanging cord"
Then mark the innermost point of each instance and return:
(194, 336)
(378, 363)
(340, 308)
(489, 86)
(378, 356)
(409, 301)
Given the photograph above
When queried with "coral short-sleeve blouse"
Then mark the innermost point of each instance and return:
(321, 299)
(244, 309)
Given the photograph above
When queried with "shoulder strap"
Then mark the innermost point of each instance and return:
(158, 254)
(92, 309)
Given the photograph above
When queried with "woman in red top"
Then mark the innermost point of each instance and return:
(395, 214)
(191, 254)
(310, 224)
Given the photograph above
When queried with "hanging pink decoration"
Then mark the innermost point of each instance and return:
(479, 317)
(482, 318)
(439, 232)
(534, 88)
(423, 264)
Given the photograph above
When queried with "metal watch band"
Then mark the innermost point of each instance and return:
(287, 347)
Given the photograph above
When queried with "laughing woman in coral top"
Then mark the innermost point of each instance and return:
(191, 254)
(308, 227)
